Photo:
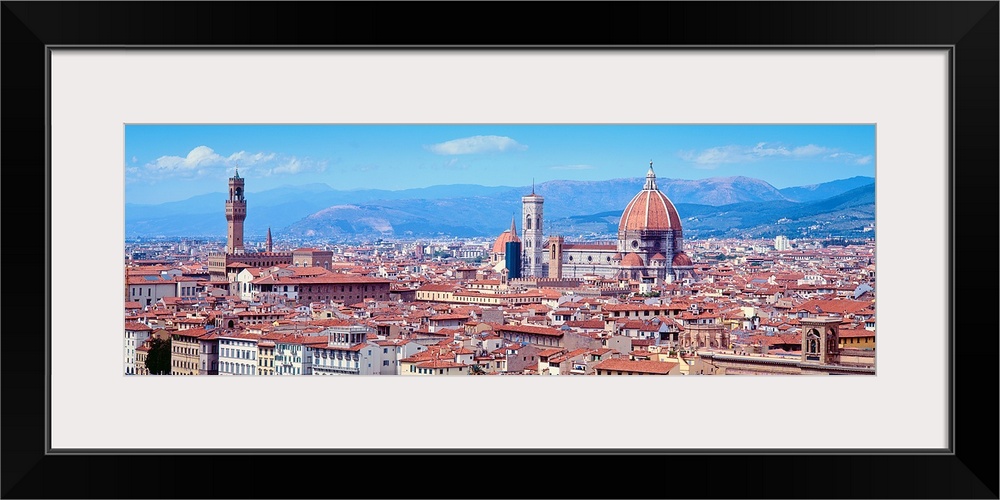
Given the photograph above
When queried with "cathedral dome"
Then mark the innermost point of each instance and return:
(500, 245)
(682, 259)
(650, 209)
(632, 259)
(659, 257)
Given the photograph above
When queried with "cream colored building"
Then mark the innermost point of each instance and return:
(185, 351)
(438, 367)
(141, 353)
(265, 357)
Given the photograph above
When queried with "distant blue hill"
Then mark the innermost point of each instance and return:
(463, 210)
(845, 214)
(815, 192)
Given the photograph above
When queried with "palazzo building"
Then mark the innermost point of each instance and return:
(225, 266)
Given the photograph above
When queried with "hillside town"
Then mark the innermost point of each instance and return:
(525, 303)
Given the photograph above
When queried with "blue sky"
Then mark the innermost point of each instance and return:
(174, 162)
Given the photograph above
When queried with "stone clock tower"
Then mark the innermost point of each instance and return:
(236, 213)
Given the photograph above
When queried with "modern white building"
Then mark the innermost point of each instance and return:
(148, 289)
(208, 354)
(781, 243)
(289, 356)
(242, 284)
(135, 334)
(346, 351)
(237, 354)
(395, 350)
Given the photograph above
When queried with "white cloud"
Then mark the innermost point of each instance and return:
(293, 165)
(809, 150)
(762, 149)
(204, 161)
(244, 158)
(734, 153)
(851, 158)
(201, 155)
(290, 166)
(476, 144)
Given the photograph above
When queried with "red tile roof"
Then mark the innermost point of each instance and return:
(550, 352)
(449, 317)
(568, 355)
(637, 366)
(537, 330)
(846, 333)
(439, 363)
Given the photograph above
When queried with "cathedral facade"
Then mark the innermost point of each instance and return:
(649, 246)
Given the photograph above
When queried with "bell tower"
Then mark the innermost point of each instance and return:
(236, 213)
(531, 238)
(821, 339)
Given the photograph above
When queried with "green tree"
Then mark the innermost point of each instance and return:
(158, 359)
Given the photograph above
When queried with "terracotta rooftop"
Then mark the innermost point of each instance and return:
(637, 366)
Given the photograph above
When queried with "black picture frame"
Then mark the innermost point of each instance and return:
(969, 470)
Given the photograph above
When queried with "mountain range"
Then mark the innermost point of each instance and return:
(719, 206)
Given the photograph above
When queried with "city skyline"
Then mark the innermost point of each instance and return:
(631, 294)
(174, 162)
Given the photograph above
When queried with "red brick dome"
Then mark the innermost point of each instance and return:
(682, 259)
(649, 210)
(632, 259)
(500, 245)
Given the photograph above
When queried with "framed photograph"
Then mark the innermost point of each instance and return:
(116, 107)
